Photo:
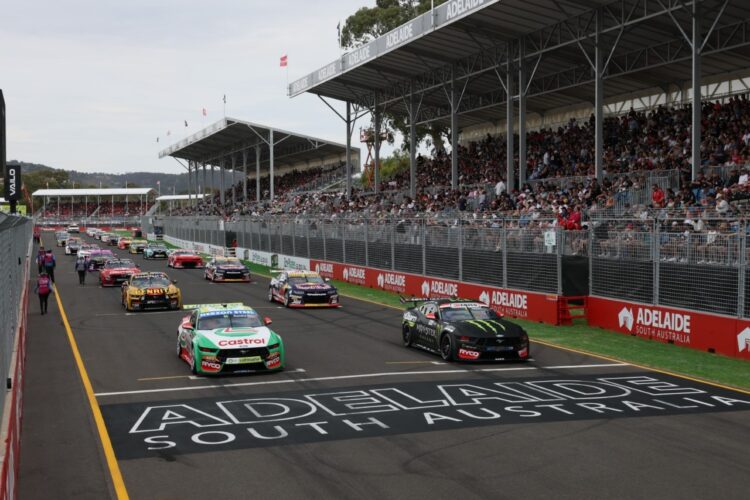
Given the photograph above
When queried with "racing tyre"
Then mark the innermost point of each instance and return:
(270, 294)
(446, 348)
(406, 336)
(179, 349)
(193, 366)
(287, 299)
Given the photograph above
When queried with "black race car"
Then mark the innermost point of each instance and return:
(463, 330)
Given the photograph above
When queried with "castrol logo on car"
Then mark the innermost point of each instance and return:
(229, 339)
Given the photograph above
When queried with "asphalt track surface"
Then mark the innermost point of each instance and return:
(355, 414)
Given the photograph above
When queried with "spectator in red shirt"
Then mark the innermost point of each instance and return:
(657, 196)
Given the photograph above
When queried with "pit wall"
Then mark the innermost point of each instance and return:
(705, 332)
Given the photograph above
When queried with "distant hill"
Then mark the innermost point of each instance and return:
(95, 179)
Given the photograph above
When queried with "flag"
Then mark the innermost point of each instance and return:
(157, 139)
(283, 61)
(169, 132)
(186, 123)
(225, 99)
(205, 112)
(338, 29)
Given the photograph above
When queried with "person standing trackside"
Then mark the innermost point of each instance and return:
(81, 267)
(49, 264)
(40, 259)
(43, 288)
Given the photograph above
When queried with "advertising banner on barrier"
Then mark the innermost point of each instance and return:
(512, 303)
(702, 331)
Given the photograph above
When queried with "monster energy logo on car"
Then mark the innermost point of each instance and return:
(487, 326)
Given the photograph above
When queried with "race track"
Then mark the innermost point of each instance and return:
(355, 414)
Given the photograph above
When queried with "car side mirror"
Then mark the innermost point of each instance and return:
(267, 321)
(430, 315)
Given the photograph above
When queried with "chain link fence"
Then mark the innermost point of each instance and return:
(15, 237)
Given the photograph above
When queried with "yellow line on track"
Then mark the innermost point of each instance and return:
(109, 452)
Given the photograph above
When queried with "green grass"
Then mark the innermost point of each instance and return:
(632, 349)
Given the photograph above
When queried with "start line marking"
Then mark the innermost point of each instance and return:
(348, 377)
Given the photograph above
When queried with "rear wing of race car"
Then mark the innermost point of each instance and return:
(228, 305)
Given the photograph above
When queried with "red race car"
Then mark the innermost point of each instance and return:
(117, 271)
(123, 243)
(184, 259)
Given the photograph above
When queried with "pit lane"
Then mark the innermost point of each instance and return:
(357, 415)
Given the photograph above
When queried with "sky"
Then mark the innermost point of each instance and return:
(90, 85)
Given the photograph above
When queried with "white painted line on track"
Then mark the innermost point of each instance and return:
(298, 370)
(349, 377)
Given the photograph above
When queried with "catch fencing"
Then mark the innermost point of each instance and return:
(522, 255)
(15, 237)
(699, 266)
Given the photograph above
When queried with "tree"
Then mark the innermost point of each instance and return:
(365, 25)
(42, 179)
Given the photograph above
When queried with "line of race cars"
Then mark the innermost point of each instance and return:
(232, 338)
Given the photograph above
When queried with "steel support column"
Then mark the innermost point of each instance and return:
(598, 100)
(213, 185)
(222, 164)
(509, 150)
(271, 146)
(348, 150)
(412, 145)
(695, 136)
(521, 115)
(376, 144)
(244, 174)
(454, 131)
(204, 179)
(234, 168)
(257, 173)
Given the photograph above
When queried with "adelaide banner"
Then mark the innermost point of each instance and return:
(512, 303)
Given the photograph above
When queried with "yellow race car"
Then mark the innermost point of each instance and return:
(150, 291)
(137, 246)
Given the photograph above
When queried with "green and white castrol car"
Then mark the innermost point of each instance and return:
(228, 338)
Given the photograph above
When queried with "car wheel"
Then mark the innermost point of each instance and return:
(446, 348)
(270, 294)
(179, 347)
(193, 364)
(406, 336)
(287, 299)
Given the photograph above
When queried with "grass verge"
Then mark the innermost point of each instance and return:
(684, 361)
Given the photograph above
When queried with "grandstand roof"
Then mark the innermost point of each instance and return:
(231, 136)
(179, 197)
(472, 40)
(94, 192)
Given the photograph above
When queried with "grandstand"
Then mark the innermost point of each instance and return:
(231, 144)
(94, 206)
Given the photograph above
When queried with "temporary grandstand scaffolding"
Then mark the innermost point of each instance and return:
(229, 144)
(100, 196)
(462, 62)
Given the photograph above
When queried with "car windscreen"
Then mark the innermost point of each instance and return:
(467, 313)
(156, 282)
(112, 264)
(213, 321)
(297, 280)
